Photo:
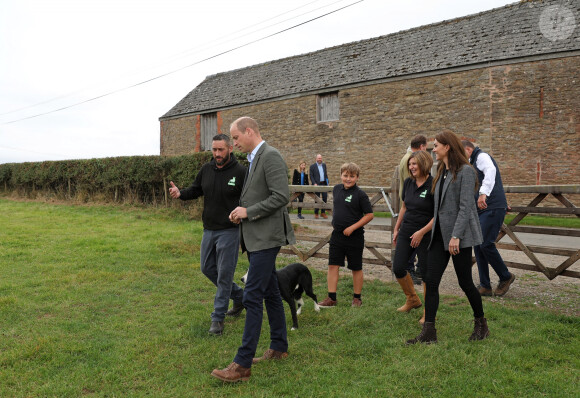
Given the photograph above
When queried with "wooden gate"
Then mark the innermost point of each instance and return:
(386, 200)
(380, 198)
(542, 191)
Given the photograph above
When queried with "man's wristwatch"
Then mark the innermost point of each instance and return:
(454, 237)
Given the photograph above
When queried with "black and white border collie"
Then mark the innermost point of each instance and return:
(293, 280)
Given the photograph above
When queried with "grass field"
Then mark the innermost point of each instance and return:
(103, 301)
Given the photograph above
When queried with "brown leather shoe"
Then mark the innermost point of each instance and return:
(234, 372)
(485, 291)
(316, 216)
(327, 303)
(271, 354)
(324, 215)
(503, 286)
(356, 302)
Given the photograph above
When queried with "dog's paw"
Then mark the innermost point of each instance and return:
(293, 328)
(316, 307)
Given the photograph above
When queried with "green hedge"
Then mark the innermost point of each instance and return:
(142, 179)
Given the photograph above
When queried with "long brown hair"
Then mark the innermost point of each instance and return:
(456, 157)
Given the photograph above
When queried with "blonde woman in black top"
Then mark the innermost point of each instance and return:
(413, 229)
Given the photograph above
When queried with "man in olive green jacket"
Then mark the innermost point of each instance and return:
(264, 227)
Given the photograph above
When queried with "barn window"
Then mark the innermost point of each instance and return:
(327, 107)
(208, 130)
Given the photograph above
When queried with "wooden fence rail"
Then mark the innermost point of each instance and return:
(542, 192)
(380, 200)
(385, 199)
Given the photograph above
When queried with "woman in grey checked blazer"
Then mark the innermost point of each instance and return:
(456, 230)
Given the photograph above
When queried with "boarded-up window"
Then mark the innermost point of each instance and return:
(327, 107)
(208, 130)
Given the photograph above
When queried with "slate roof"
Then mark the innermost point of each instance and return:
(504, 33)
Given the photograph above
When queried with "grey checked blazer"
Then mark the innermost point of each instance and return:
(458, 212)
(265, 195)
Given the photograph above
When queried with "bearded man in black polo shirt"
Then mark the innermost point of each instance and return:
(220, 182)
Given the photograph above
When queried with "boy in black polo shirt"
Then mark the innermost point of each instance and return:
(351, 211)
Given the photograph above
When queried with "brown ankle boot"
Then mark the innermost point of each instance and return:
(428, 335)
(480, 330)
(413, 301)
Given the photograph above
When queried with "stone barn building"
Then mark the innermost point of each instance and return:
(508, 78)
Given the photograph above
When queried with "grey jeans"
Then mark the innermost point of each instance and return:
(219, 257)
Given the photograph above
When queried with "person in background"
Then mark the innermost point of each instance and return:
(412, 232)
(300, 178)
(455, 231)
(352, 210)
(491, 208)
(418, 143)
(220, 183)
(319, 176)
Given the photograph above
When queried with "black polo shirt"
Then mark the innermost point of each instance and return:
(420, 205)
(349, 206)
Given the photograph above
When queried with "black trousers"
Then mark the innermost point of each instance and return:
(404, 252)
(262, 287)
(324, 197)
(300, 199)
(438, 258)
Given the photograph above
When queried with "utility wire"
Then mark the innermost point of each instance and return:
(176, 56)
(183, 54)
(182, 68)
(221, 40)
(31, 151)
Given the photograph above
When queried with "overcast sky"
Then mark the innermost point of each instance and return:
(90, 78)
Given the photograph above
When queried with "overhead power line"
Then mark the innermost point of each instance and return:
(11, 148)
(210, 44)
(182, 68)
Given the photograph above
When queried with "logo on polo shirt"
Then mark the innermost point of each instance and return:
(348, 198)
(423, 194)
(232, 182)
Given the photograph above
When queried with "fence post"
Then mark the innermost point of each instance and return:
(165, 191)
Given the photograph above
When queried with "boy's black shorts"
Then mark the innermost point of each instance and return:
(353, 255)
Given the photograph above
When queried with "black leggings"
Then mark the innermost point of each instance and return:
(437, 262)
(403, 252)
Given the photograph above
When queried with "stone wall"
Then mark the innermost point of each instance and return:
(527, 115)
(180, 136)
